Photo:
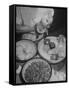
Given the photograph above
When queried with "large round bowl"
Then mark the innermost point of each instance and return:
(36, 71)
(25, 49)
(55, 54)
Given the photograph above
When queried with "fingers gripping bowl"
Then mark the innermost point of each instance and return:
(36, 71)
(53, 49)
(25, 49)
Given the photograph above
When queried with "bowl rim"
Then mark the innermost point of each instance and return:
(50, 61)
(18, 60)
(33, 61)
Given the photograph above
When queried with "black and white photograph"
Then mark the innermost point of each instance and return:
(40, 50)
(41, 35)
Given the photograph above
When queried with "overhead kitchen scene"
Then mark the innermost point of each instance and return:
(41, 37)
